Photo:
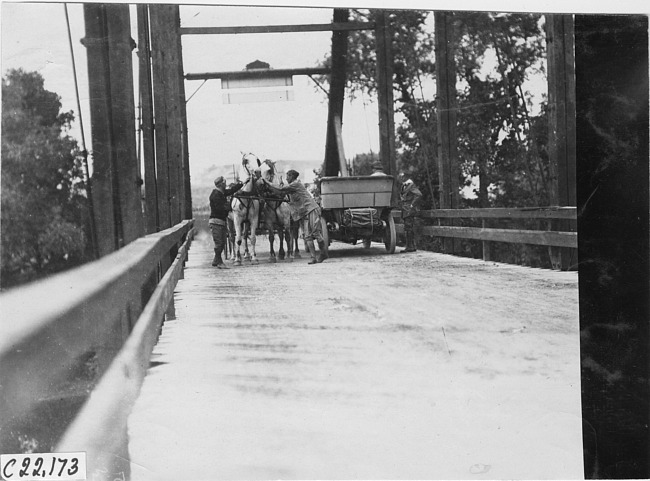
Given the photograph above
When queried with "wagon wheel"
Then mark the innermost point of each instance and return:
(326, 235)
(390, 235)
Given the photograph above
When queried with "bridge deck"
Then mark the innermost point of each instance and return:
(366, 366)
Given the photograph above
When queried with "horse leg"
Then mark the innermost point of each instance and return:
(231, 240)
(247, 254)
(269, 228)
(281, 253)
(252, 233)
(293, 228)
(238, 239)
(289, 237)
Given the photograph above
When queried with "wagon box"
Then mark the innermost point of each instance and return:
(358, 209)
(356, 191)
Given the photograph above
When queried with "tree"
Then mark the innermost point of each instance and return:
(501, 143)
(413, 67)
(502, 136)
(362, 163)
(43, 196)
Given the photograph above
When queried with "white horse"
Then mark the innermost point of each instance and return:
(246, 209)
(277, 213)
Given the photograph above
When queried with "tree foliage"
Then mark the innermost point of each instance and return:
(362, 163)
(501, 132)
(502, 144)
(43, 202)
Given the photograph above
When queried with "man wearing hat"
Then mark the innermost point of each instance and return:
(305, 210)
(410, 198)
(377, 168)
(219, 207)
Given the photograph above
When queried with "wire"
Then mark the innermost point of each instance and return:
(319, 85)
(196, 91)
(74, 73)
(89, 192)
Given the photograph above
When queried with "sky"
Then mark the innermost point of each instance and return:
(217, 133)
(34, 37)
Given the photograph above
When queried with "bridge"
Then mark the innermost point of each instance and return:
(368, 365)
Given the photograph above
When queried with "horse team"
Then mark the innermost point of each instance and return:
(254, 202)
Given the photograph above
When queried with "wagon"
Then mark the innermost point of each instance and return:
(358, 208)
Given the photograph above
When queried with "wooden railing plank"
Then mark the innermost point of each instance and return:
(504, 213)
(516, 236)
(47, 325)
(100, 427)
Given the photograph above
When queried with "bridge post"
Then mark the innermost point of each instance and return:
(168, 121)
(333, 161)
(448, 167)
(186, 211)
(384, 48)
(116, 172)
(561, 127)
(146, 121)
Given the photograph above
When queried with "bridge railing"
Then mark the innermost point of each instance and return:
(75, 347)
(558, 233)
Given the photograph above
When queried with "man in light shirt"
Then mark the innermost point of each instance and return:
(304, 210)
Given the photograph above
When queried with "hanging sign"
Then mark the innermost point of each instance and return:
(260, 96)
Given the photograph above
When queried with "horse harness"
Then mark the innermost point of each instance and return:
(247, 198)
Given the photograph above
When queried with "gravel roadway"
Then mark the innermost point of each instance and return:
(367, 366)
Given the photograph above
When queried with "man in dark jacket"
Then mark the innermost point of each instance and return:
(410, 198)
(219, 208)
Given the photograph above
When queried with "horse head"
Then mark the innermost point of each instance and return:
(250, 162)
(268, 171)
(250, 171)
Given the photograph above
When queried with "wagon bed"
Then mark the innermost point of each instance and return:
(358, 208)
(356, 192)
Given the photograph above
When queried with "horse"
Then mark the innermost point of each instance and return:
(246, 209)
(277, 213)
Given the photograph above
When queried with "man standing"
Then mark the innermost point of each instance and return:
(410, 197)
(219, 207)
(304, 210)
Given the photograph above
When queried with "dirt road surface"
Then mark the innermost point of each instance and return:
(367, 366)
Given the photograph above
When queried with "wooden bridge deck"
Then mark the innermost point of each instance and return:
(366, 366)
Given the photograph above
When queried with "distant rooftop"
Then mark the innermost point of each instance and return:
(258, 64)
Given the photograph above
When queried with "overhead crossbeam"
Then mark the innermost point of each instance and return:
(323, 27)
(257, 73)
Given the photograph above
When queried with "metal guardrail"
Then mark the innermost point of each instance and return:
(86, 334)
(551, 237)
